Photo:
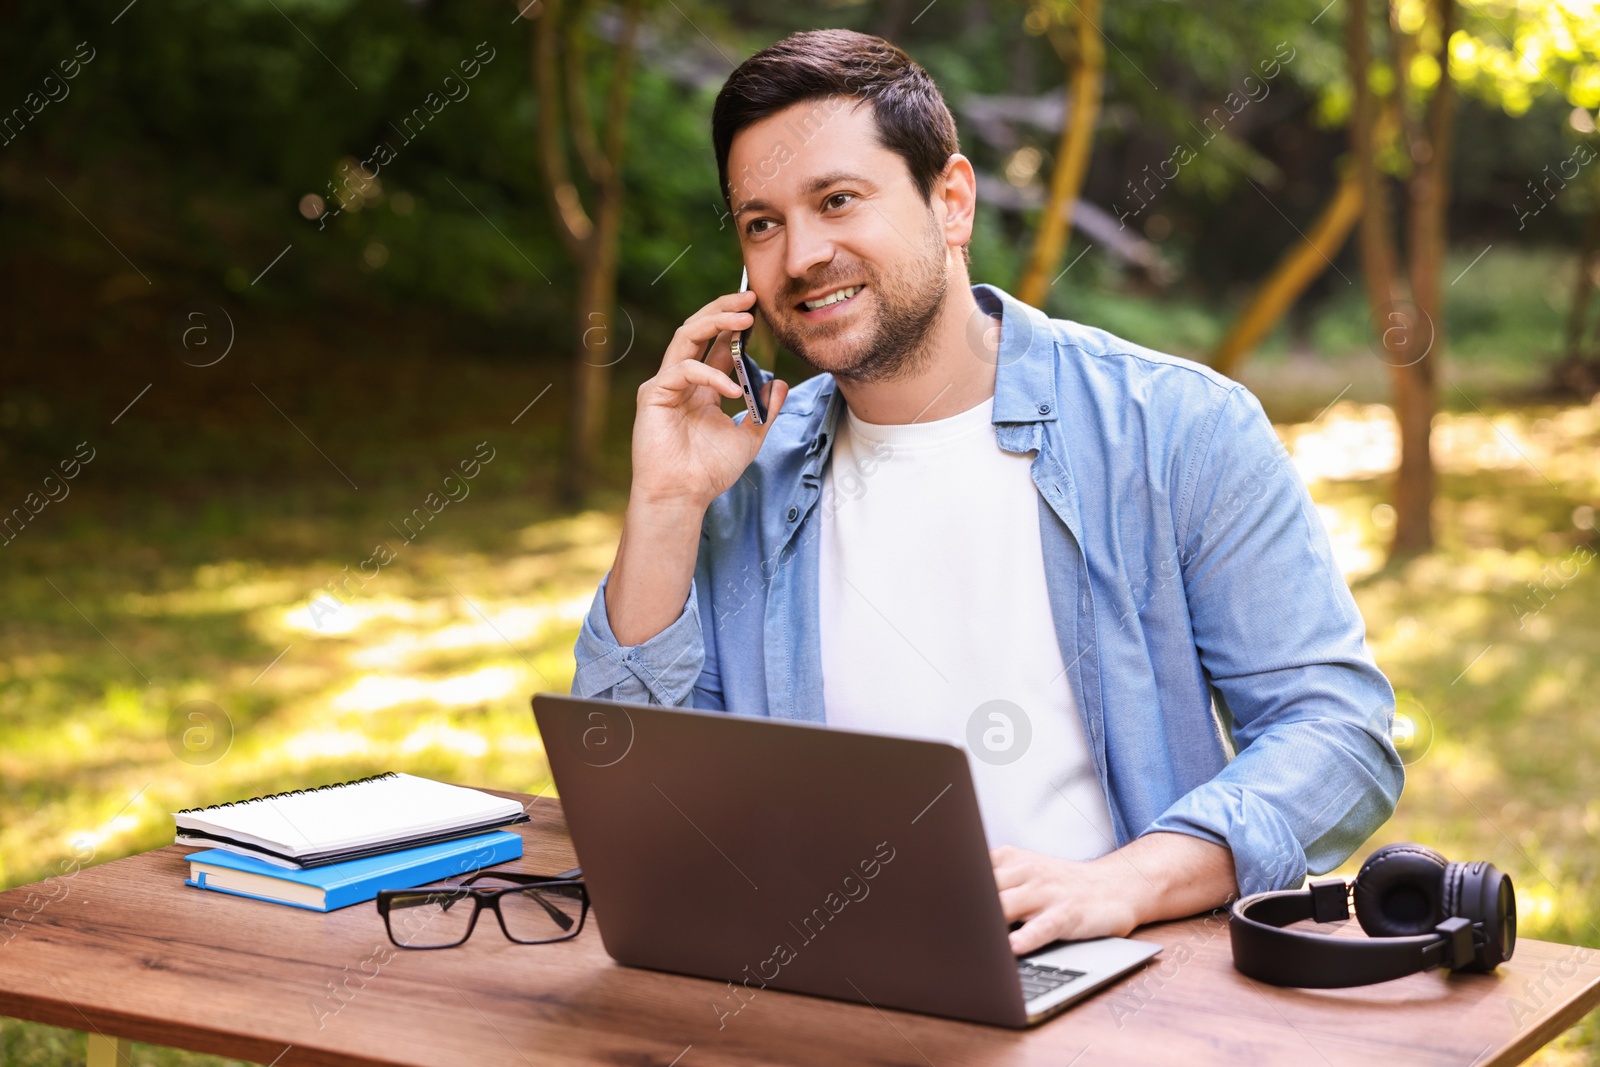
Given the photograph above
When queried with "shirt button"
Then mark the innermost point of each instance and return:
(1044, 409)
(793, 513)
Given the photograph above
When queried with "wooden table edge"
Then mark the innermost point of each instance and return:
(114, 1028)
(1553, 1026)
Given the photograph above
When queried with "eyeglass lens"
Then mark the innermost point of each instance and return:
(534, 914)
(437, 918)
(431, 920)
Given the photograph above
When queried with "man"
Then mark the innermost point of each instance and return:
(1090, 563)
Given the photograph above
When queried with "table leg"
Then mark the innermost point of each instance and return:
(109, 1051)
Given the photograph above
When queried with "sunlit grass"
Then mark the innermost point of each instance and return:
(1491, 642)
(428, 669)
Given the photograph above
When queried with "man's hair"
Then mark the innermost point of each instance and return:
(910, 113)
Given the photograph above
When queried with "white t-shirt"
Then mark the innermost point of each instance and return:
(936, 623)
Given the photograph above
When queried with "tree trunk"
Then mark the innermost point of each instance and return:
(591, 240)
(591, 373)
(1577, 371)
(1085, 58)
(1296, 269)
(1583, 285)
(1377, 244)
(1416, 382)
(1406, 309)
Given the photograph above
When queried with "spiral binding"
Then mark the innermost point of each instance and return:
(289, 793)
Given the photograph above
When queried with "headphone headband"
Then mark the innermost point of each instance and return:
(1321, 961)
(1423, 911)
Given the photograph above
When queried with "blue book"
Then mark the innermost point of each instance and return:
(338, 885)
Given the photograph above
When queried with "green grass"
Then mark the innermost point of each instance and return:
(195, 542)
(31, 1045)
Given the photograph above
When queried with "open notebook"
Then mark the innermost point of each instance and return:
(345, 821)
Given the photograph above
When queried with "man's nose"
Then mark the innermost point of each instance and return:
(808, 246)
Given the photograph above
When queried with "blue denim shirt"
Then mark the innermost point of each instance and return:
(1219, 661)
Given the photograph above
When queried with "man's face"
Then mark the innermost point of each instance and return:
(821, 207)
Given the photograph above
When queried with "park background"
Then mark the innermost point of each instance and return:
(259, 344)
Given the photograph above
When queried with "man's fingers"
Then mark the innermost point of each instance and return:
(1033, 934)
(773, 394)
(725, 313)
(690, 339)
(693, 372)
(1011, 867)
(777, 393)
(726, 302)
(1023, 901)
(721, 354)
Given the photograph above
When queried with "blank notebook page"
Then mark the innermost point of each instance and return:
(369, 811)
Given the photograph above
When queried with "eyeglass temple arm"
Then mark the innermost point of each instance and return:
(559, 917)
(576, 874)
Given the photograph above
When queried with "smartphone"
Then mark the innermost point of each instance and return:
(744, 368)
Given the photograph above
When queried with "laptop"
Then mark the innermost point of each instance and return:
(769, 854)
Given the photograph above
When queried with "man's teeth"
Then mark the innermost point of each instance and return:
(832, 298)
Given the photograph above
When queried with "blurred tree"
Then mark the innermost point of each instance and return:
(1530, 48)
(591, 236)
(1205, 72)
(1303, 261)
(200, 135)
(1299, 266)
(1073, 29)
(1403, 295)
(1579, 369)
(1512, 56)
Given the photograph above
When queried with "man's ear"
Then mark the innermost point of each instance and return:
(955, 200)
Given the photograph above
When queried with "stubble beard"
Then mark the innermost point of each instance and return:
(907, 311)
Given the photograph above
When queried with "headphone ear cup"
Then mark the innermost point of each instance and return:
(1399, 891)
(1479, 893)
(1451, 886)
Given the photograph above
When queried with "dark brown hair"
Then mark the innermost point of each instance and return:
(910, 113)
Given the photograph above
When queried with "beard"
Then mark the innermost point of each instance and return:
(900, 316)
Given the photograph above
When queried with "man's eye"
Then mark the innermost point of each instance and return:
(838, 196)
(751, 228)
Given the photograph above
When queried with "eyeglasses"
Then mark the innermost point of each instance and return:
(534, 910)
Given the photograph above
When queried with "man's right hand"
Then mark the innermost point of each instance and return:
(686, 451)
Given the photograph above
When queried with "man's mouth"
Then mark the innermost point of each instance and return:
(829, 303)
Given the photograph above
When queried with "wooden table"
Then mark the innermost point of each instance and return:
(128, 952)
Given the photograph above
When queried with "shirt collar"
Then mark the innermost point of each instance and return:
(1025, 380)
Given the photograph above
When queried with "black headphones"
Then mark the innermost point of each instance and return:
(1420, 911)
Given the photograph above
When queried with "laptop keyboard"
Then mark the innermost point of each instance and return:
(1038, 979)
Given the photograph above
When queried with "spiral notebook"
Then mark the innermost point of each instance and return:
(346, 820)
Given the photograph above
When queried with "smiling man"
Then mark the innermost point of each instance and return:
(1089, 563)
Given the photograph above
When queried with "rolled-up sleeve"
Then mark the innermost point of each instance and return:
(662, 670)
(1284, 648)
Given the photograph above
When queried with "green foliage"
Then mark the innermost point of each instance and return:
(198, 130)
(1515, 53)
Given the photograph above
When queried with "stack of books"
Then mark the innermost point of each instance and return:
(337, 845)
